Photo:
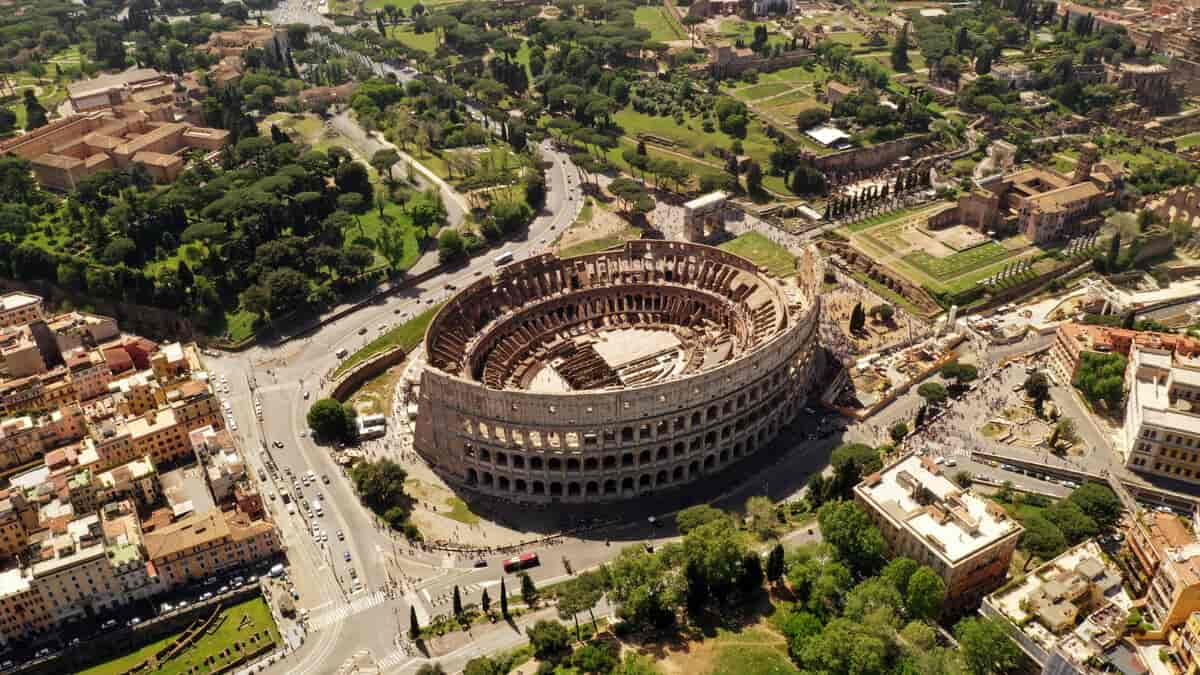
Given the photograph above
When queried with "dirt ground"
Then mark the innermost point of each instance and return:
(602, 224)
(839, 304)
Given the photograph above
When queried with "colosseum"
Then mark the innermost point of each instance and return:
(616, 374)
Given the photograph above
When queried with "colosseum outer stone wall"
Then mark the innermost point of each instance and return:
(615, 374)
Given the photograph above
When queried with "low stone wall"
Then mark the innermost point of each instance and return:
(869, 158)
(342, 388)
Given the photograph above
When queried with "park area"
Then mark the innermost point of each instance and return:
(949, 261)
(661, 25)
(210, 644)
(763, 252)
(781, 95)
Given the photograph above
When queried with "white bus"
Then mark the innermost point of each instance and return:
(504, 258)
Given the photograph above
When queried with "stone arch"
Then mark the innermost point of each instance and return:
(593, 488)
(503, 483)
(472, 476)
(539, 488)
(487, 479)
(645, 480)
(555, 464)
(661, 478)
(709, 462)
(573, 489)
(572, 464)
(610, 487)
(556, 489)
(535, 463)
(591, 464)
(677, 473)
(626, 483)
(644, 457)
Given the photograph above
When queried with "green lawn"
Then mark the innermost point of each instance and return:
(763, 252)
(958, 263)
(692, 136)
(460, 511)
(426, 42)
(366, 233)
(748, 651)
(239, 325)
(406, 336)
(228, 631)
(662, 27)
(406, 5)
(881, 219)
(757, 91)
(795, 74)
(1189, 141)
(735, 29)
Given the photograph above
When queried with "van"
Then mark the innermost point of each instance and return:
(341, 353)
(276, 570)
(503, 258)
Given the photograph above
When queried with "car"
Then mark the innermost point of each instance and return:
(396, 310)
(271, 495)
(480, 563)
(135, 621)
(74, 642)
(210, 581)
(166, 607)
(223, 589)
(108, 624)
(252, 579)
(362, 331)
(238, 581)
(7, 665)
(43, 653)
(325, 478)
(341, 536)
(278, 444)
(183, 603)
(347, 556)
(307, 394)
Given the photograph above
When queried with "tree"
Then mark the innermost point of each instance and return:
(485, 601)
(1037, 387)
(384, 160)
(898, 431)
(1042, 538)
(775, 564)
(1101, 378)
(986, 647)
(578, 595)
(933, 392)
(925, 594)
(330, 420)
(1114, 250)
(457, 604)
(871, 595)
(414, 627)
(503, 599)
(850, 531)
(900, 51)
(431, 669)
(695, 516)
(753, 178)
(549, 640)
(858, 318)
(529, 591)
(899, 571)
(961, 373)
(1099, 502)
(35, 112)
(883, 312)
(450, 245)
(761, 512)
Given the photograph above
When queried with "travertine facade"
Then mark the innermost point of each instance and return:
(614, 374)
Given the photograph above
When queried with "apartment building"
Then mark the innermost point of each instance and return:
(1161, 435)
(73, 572)
(1072, 607)
(198, 546)
(137, 480)
(967, 540)
(1071, 340)
(25, 439)
(19, 308)
(1168, 556)
(19, 352)
(23, 610)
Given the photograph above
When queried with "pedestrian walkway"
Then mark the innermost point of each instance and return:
(396, 659)
(342, 612)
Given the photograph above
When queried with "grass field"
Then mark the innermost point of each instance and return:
(426, 42)
(208, 645)
(406, 336)
(1189, 141)
(764, 252)
(662, 27)
(959, 263)
(370, 224)
(881, 219)
(735, 29)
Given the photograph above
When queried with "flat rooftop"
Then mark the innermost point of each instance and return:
(13, 301)
(955, 524)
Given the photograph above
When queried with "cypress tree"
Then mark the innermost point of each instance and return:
(457, 601)
(414, 628)
(503, 599)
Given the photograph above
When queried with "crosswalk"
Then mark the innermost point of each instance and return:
(464, 590)
(394, 660)
(341, 612)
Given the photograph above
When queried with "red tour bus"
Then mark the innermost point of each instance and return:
(523, 561)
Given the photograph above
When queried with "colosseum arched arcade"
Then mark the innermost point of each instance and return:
(614, 374)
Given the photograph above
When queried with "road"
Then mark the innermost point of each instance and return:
(284, 379)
